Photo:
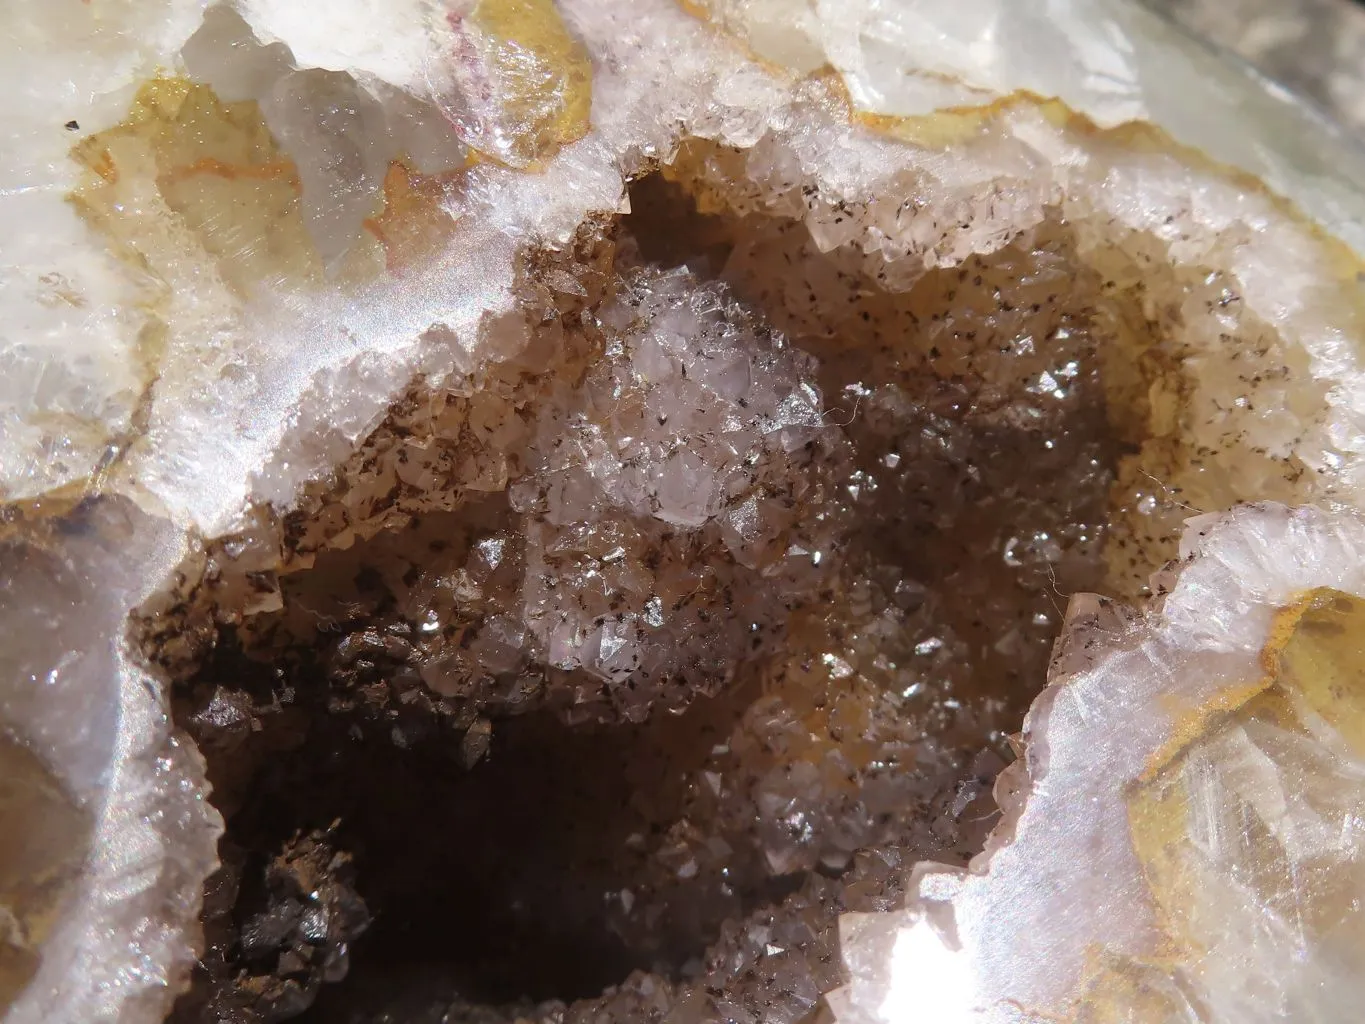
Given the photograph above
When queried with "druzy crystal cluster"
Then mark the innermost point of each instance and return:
(623, 510)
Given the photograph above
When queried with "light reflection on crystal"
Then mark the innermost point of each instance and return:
(1215, 873)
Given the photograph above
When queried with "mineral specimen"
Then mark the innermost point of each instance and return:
(594, 486)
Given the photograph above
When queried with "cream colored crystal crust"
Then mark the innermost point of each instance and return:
(741, 386)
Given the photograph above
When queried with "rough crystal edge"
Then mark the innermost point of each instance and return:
(125, 941)
(1236, 570)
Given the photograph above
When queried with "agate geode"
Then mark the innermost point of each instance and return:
(594, 488)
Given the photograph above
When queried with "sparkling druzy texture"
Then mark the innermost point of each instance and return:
(756, 376)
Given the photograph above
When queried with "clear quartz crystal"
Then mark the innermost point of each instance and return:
(738, 389)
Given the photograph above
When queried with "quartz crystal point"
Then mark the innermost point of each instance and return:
(401, 375)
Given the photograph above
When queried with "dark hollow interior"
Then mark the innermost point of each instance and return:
(493, 878)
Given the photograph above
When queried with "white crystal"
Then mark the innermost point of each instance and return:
(1064, 900)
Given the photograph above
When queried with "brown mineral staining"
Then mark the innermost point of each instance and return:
(1182, 364)
(187, 181)
(161, 180)
(44, 837)
(528, 81)
(414, 224)
(1315, 651)
(737, 557)
(826, 518)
